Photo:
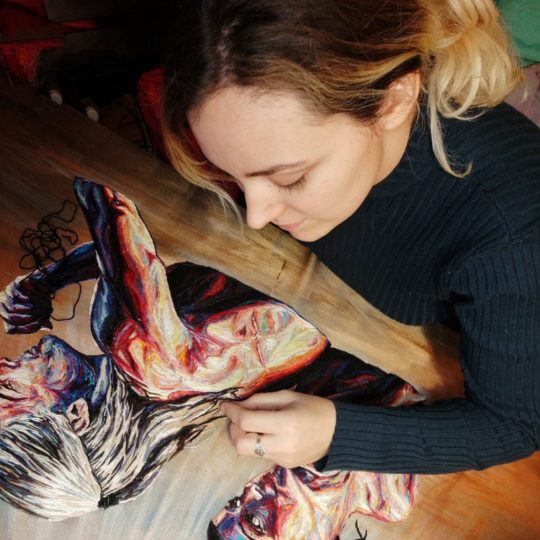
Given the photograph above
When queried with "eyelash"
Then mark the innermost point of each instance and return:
(295, 186)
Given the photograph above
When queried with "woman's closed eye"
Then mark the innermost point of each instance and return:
(294, 186)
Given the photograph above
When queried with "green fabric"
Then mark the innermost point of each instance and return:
(522, 18)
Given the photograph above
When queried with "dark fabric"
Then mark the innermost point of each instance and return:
(427, 247)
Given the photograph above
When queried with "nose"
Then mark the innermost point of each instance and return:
(263, 206)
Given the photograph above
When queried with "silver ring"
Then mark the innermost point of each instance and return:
(259, 449)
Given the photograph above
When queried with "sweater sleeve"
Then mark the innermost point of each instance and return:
(497, 300)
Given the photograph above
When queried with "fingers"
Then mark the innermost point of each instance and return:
(259, 421)
(30, 328)
(270, 401)
(7, 307)
(20, 323)
(10, 298)
(23, 313)
(296, 428)
(17, 318)
(14, 289)
(245, 443)
(25, 306)
(260, 416)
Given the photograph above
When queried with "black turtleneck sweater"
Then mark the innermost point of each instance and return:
(428, 247)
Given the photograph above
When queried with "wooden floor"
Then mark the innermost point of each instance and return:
(502, 503)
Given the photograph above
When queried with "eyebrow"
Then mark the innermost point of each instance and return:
(275, 169)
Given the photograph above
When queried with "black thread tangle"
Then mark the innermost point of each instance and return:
(45, 245)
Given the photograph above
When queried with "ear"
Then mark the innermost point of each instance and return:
(401, 102)
(78, 416)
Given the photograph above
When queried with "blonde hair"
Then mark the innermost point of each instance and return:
(338, 56)
(473, 64)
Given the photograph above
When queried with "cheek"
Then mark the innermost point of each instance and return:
(323, 197)
(57, 375)
(349, 184)
(33, 376)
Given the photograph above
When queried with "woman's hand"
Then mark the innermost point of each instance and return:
(26, 305)
(294, 429)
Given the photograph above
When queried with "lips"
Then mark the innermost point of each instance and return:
(291, 227)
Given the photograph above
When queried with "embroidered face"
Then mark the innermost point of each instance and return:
(50, 375)
(252, 345)
(285, 503)
(254, 514)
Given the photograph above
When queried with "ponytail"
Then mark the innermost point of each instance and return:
(471, 64)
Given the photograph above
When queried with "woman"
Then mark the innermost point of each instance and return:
(373, 132)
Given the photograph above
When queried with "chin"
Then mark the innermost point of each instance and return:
(309, 236)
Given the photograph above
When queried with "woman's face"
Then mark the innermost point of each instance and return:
(49, 376)
(303, 173)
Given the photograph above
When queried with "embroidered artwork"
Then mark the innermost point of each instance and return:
(80, 432)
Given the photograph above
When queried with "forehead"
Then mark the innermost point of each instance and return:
(242, 130)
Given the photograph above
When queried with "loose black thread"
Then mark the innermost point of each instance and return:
(46, 244)
(361, 536)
